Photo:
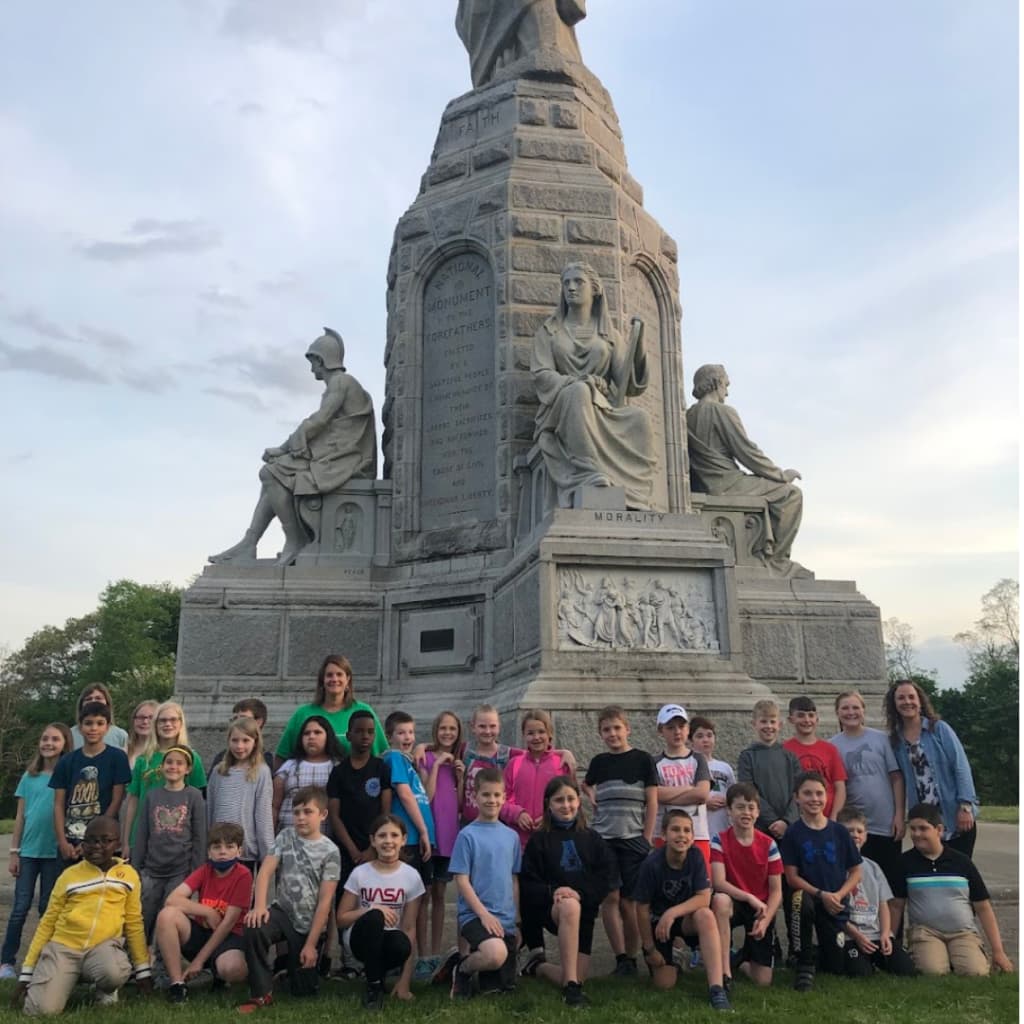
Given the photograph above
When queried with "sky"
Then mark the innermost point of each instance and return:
(190, 190)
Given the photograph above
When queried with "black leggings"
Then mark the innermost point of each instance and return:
(380, 950)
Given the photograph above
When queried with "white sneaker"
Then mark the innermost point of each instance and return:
(106, 998)
(8, 972)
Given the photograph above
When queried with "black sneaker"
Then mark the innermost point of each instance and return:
(718, 998)
(177, 993)
(443, 974)
(462, 984)
(573, 995)
(804, 981)
(625, 967)
(373, 998)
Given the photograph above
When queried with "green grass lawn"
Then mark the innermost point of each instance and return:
(6, 826)
(835, 1000)
(1002, 813)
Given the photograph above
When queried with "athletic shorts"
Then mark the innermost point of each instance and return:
(199, 936)
(758, 951)
(412, 856)
(629, 855)
(475, 934)
(440, 869)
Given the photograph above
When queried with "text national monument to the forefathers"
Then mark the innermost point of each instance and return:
(563, 519)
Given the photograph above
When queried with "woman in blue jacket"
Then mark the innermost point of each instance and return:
(933, 762)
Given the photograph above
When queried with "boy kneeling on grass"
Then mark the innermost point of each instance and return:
(673, 897)
(95, 906)
(309, 870)
(207, 929)
(822, 869)
(947, 902)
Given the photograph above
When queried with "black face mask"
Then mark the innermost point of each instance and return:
(222, 865)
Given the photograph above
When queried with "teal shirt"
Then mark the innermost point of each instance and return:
(339, 722)
(37, 836)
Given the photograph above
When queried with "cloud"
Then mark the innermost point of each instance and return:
(286, 281)
(153, 237)
(154, 381)
(269, 368)
(18, 457)
(34, 321)
(48, 362)
(222, 299)
(247, 398)
(298, 25)
(105, 339)
(251, 109)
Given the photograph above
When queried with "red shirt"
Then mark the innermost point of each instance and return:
(747, 867)
(821, 757)
(222, 891)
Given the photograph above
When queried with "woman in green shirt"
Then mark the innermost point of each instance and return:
(335, 700)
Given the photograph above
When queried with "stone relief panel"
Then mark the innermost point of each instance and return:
(606, 609)
(642, 302)
(459, 438)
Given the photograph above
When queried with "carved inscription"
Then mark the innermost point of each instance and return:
(457, 458)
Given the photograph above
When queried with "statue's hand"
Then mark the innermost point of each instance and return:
(270, 454)
(599, 383)
(789, 475)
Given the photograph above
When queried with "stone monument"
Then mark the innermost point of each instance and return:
(535, 540)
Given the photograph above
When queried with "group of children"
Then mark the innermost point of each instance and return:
(370, 842)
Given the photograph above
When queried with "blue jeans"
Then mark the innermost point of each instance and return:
(46, 870)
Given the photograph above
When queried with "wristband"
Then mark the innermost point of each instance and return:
(14, 849)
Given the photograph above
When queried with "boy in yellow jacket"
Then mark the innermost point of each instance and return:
(94, 908)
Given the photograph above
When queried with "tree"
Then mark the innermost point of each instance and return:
(996, 635)
(901, 656)
(986, 711)
(128, 643)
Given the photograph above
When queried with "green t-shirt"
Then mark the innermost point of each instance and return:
(339, 722)
(146, 775)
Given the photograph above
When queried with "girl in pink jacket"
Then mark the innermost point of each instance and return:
(530, 771)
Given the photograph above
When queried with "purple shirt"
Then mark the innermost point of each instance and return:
(444, 806)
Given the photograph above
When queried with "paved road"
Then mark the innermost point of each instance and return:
(996, 855)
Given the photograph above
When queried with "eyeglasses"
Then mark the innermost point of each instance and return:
(168, 721)
(144, 718)
(100, 841)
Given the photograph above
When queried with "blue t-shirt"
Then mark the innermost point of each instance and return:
(88, 784)
(822, 856)
(37, 836)
(662, 886)
(403, 770)
(490, 853)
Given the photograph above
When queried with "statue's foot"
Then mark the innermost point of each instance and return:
(243, 551)
(289, 553)
(789, 569)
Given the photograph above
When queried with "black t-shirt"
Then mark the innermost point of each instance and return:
(359, 792)
(663, 886)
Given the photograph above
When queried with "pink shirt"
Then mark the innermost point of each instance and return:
(525, 779)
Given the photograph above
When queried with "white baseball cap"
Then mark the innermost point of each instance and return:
(670, 711)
